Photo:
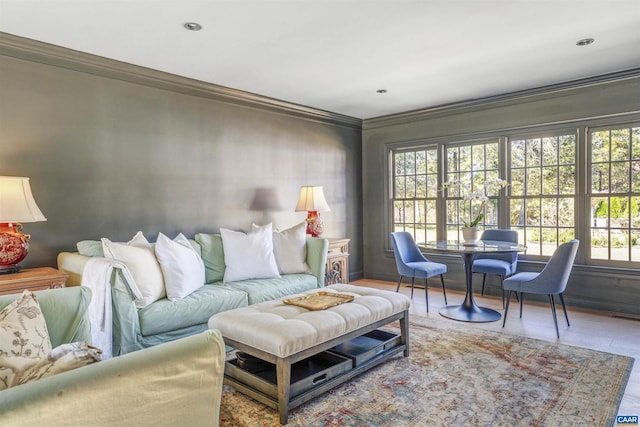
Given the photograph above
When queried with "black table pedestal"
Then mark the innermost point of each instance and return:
(469, 310)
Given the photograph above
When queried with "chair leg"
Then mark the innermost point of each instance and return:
(484, 278)
(444, 291)
(399, 281)
(506, 309)
(555, 318)
(426, 292)
(413, 279)
(564, 308)
(521, 300)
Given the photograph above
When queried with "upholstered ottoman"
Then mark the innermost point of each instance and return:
(284, 334)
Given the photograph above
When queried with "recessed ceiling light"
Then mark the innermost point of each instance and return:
(585, 42)
(192, 26)
(381, 91)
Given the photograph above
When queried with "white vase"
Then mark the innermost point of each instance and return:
(471, 235)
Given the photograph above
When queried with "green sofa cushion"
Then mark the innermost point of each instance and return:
(212, 256)
(64, 310)
(259, 290)
(196, 308)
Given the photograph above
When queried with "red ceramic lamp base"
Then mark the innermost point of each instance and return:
(315, 226)
(14, 246)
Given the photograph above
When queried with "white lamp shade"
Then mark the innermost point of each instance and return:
(16, 201)
(312, 199)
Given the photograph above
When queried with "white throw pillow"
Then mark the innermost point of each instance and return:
(290, 249)
(139, 257)
(182, 267)
(248, 256)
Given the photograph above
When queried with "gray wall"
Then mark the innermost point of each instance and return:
(616, 98)
(112, 149)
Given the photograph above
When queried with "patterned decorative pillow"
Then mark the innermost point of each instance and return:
(63, 358)
(23, 334)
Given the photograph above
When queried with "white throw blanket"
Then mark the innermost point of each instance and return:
(97, 276)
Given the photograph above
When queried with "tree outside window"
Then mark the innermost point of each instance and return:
(615, 194)
(543, 191)
(415, 184)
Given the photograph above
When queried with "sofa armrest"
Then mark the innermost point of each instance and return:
(125, 320)
(65, 312)
(73, 264)
(176, 383)
(317, 249)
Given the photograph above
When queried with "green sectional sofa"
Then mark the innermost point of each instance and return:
(177, 383)
(165, 320)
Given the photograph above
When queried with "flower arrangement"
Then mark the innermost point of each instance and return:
(478, 192)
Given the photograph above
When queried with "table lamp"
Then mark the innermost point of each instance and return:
(16, 206)
(312, 200)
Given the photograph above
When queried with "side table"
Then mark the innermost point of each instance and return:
(34, 279)
(337, 269)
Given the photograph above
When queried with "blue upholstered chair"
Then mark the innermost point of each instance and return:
(502, 265)
(552, 280)
(412, 263)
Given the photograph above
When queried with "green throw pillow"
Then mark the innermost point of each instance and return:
(212, 256)
(92, 248)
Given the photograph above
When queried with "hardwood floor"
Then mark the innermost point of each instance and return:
(589, 329)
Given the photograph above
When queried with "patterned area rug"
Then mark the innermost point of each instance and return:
(458, 375)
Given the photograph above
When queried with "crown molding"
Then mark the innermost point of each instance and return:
(518, 96)
(45, 53)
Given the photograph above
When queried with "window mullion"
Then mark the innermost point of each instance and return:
(504, 201)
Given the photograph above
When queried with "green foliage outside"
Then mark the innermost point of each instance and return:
(622, 208)
(549, 235)
(634, 208)
(602, 211)
(616, 207)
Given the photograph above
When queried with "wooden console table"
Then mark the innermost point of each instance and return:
(337, 270)
(34, 279)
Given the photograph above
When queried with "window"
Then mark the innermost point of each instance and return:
(614, 184)
(583, 183)
(471, 165)
(415, 189)
(543, 191)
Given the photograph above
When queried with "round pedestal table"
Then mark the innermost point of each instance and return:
(469, 311)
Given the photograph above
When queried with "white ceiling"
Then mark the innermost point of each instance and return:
(335, 54)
